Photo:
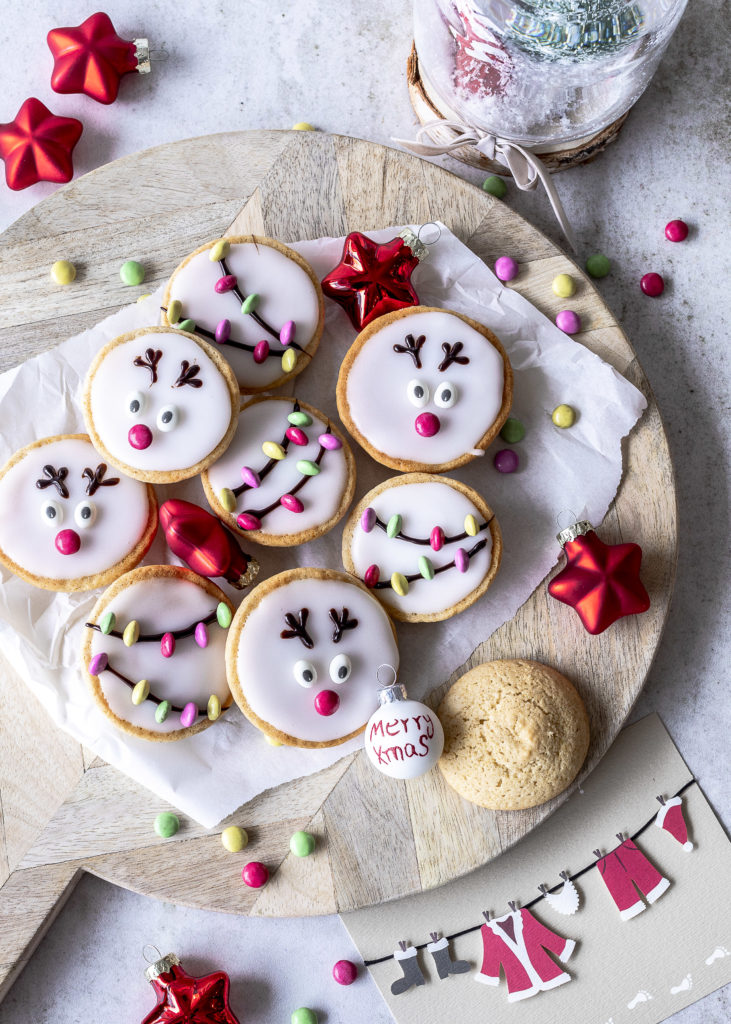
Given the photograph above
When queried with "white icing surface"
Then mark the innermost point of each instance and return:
(379, 379)
(321, 494)
(192, 674)
(265, 661)
(422, 506)
(122, 512)
(286, 293)
(203, 414)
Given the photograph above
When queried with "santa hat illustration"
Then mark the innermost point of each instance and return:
(670, 817)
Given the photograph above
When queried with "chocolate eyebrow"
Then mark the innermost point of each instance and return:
(412, 347)
(54, 478)
(188, 375)
(152, 358)
(96, 478)
(452, 355)
(297, 627)
(341, 622)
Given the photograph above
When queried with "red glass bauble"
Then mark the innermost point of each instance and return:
(37, 146)
(91, 58)
(601, 581)
(183, 999)
(204, 544)
(371, 279)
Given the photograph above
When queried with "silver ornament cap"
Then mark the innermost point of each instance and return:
(574, 531)
(414, 243)
(161, 966)
(392, 694)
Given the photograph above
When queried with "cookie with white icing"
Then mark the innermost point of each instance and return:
(160, 404)
(424, 389)
(303, 653)
(427, 546)
(154, 652)
(68, 522)
(257, 299)
(287, 477)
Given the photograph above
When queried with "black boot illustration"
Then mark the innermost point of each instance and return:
(405, 957)
(439, 949)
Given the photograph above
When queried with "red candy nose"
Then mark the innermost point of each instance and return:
(327, 702)
(140, 436)
(427, 424)
(68, 542)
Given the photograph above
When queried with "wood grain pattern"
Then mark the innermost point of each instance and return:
(65, 811)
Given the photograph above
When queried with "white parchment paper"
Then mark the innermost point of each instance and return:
(209, 775)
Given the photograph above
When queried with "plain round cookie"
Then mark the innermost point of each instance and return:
(516, 734)
(149, 379)
(412, 360)
(474, 503)
(271, 254)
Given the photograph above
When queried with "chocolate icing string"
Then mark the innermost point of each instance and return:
(427, 541)
(260, 513)
(284, 443)
(179, 634)
(150, 696)
(210, 335)
(413, 577)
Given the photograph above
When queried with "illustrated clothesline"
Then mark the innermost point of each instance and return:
(564, 876)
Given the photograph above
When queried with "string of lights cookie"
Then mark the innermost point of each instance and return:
(277, 451)
(141, 692)
(228, 282)
(400, 582)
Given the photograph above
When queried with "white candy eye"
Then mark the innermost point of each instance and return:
(52, 513)
(135, 403)
(446, 395)
(167, 418)
(418, 393)
(340, 668)
(85, 514)
(305, 673)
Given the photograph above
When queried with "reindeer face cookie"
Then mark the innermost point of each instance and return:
(303, 654)
(257, 299)
(288, 475)
(154, 652)
(69, 522)
(426, 546)
(424, 389)
(160, 405)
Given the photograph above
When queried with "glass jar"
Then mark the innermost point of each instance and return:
(549, 74)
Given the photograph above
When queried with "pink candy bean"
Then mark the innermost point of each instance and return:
(227, 283)
(223, 331)
(188, 715)
(248, 522)
(250, 476)
(330, 441)
(261, 351)
(291, 502)
(297, 436)
(167, 645)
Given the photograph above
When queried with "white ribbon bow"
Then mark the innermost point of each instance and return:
(524, 165)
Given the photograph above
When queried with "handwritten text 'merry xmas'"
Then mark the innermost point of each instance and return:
(402, 749)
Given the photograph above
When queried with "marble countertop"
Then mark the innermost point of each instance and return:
(341, 66)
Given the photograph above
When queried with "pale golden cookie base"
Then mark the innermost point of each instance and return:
(145, 572)
(516, 734)
(405, 465)
(480, 504)
(247, 606)
(163, 476)
(288, 539)
(307, 350)
(100, 579)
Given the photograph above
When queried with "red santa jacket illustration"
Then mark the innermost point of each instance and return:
(625, 871)
(518, 942)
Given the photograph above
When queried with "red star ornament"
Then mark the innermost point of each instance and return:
(183, 999)
(37, 146)
(371, 279)
(600, 581)
(91, 58)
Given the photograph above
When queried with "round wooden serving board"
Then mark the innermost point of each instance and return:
(63, 811)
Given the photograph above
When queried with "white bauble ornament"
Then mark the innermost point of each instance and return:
(403, 738)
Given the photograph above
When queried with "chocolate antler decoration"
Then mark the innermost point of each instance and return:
(297, 628)
(452, 355)
(342, 622)
(412, 347)
(188, 375)
(96, 478)
(152, 358)
(54, 478)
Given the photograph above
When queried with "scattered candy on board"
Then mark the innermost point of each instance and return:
(495, 186)
(255, 874)
(304, 1016)
(403, 738)
(167, 824)
(303, 126)
(676, 231)
(563, 416)
(234, 839)
(568, 321)
(598, 265)
(345, 972)
(563, 285)
(513, 430)
(302, 844)
(63, 272)
(506, 268)
(652, 284)
(506, 461)
(132, 273)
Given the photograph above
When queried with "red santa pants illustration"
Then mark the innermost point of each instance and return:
(519, 942)
(625, 868)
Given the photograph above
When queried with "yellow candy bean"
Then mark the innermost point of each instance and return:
(140, 692)
(63, 272)
(175, 309)
(272, 450)
(131, 633)
(234, 839)
(219, 250)
(289, 360)
(214, 708)
(272, 740)
(141, 298)
(227, 499)
(470, 525)
(563, 416)
(400, 584)
(564, 286)
(303, 126)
